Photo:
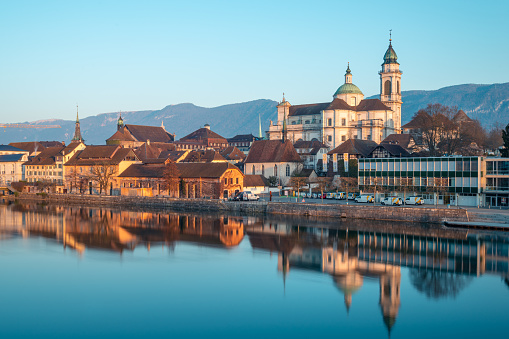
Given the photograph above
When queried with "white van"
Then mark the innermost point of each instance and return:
(392, 201)
(365, 198)
(341, 195)
(414, 201)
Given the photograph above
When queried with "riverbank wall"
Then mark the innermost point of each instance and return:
(389, 213)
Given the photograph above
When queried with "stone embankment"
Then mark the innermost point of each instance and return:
(408, 214)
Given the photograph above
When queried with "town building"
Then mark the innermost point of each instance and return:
(196, 180)
(32, 147)
(11, 164)
(273, 158)
(311, 152)
(202, 138)
(243, 142)
(94, 169)
(256, 183)
(439, 180)
(133, 136)
(233, 155)
(496, 193)
(348, 115)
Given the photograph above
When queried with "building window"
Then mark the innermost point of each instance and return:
(329, 138)
(226, 181)
(343, 137)
(329, 122)
(387, 87)
(343, 122)
(275, 170)
(263, 170)
(287, 170)
(253, 169)
(237, 181)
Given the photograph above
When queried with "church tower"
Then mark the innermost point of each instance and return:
(120, 123)
(390, 86)
(77, 131)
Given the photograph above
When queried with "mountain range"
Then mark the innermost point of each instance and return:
(487, 103)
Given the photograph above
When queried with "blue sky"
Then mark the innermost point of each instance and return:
(135, 55)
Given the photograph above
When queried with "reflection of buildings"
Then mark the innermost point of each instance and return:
(350, 255)
(81, 228)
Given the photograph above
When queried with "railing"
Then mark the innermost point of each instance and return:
(497, 188)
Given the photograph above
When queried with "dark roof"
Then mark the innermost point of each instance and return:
(187, 170)
(93, 155)
(11, 157)
(172, 155)
(203, 134)
(461, 117)
(339, 104)
(393, 150)
(309, 144)
(233, 153)
(52, 143)
(255, 181)
(355, 146)
(403, 140)
(203, 156)
(306, 172)
(10, 148)
(46, 157)
(272, 151)
(31, 146)
(243, 137)
(142, 133)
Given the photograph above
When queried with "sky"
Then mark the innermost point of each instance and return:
(111, 56)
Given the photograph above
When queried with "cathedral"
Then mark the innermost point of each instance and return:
(348, 115)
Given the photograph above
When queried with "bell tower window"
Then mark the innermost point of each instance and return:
(387, 87)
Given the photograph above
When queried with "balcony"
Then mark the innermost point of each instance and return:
(369, 123)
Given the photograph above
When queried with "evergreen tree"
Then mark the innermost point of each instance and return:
(505, 138)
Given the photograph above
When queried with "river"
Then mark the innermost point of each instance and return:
(89, 272)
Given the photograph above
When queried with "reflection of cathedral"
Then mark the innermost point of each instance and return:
(350, 255)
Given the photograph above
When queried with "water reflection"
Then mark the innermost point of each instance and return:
(441, 262)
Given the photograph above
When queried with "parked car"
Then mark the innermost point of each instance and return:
(414, 201)
(365, 198)
(309, 195)
(392, 201)
(352, 196)
(249, 196)
(314, 196)
(341, 195)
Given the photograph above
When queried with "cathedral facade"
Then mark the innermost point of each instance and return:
(348, 115)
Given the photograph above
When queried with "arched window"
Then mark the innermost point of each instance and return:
(387, 87)
(263, 170)
(253, 169)
(398, 87)
(287, 170)
(275, 170)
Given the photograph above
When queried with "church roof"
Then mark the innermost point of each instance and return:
(233, 153)
(348, 88)
(338, 104)
(142, 133)
(272, 151)
(390, 56)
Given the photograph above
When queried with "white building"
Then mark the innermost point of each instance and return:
(11, 164)
(349, 115)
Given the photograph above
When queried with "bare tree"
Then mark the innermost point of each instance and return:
(171, 178)
(494, 138)
(348, 184)
(505, 138)
(102, 175)
(298, 180)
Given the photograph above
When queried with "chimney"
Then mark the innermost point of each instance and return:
(207, 126)
(148, 142)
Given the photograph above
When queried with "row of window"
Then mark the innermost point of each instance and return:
(44, 167)
(59, 173)
(287, 170)
(231, 181)
(417, 181)
(417, 164)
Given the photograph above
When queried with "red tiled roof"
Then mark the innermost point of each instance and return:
(46, 157)
(187, 170)
(398, 139)
(204, 134)
(272, 151)
(203, 156)
(142, 134)
(31, 146)
(233, 153)
(255, 181)
(94, 155)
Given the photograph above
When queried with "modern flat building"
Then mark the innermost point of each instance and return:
(442, 180)
(496, 193)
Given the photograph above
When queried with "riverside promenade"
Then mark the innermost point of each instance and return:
(368, 212)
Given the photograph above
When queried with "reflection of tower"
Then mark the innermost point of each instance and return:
(283, 265)
(349, 284)
(389, 296)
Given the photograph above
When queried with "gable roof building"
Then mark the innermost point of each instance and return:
(202, 138)
(348, 115)
(273, 158)
(135, 135)
(355, 148)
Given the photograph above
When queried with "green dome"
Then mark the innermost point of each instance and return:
(390, 56)
(348, 89)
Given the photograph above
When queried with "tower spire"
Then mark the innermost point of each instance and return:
(259, 126)
(77, 131)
